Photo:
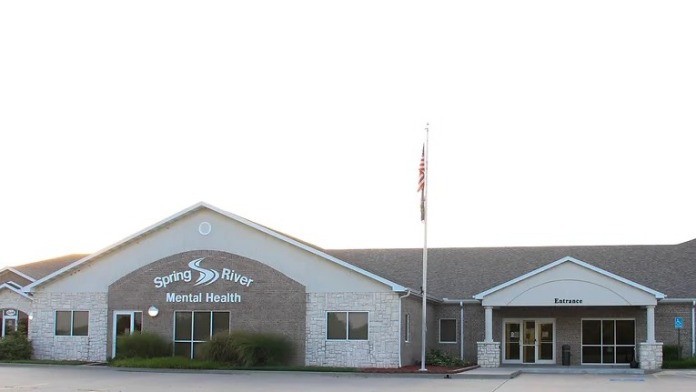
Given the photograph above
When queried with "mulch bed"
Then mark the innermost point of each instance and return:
(416, 369)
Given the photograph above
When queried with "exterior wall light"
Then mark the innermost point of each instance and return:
(153, 311)
(31, 315)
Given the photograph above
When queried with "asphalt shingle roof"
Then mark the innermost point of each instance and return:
(39, 269)
(460, 273)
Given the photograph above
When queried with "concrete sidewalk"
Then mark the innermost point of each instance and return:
(507, 372)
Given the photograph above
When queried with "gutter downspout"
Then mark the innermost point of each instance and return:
(693, 328)
(401, 327)
(461, 330)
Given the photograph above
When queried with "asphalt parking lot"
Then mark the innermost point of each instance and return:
(86, 379)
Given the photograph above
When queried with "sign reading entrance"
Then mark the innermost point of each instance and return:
(567, 301)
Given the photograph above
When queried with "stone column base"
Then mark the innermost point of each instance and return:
(650, 355)
(489, 354)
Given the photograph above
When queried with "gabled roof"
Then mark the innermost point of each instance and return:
(460, 273)
(20, 273)
(568, 259)
(39, 269)
(204, 206)
(14, 289)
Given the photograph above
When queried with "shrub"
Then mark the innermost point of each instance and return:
(14, 346)
(670, 352)
(438, 358)
(222, 348)
(249, 349)
(142, 345)
(686, 363)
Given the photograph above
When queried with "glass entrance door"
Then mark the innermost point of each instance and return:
(545, 339)
(529, 341)
(126, 323)
(9, 322)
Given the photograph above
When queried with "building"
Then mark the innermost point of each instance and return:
(204, 271)
(15, 305)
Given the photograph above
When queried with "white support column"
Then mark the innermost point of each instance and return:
(488, 355)
(651, 324)
(489, 324)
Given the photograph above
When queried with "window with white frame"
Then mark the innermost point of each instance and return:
(346, 325)
(72, 323)
(193, 328)
(407, 327)
(448, 330)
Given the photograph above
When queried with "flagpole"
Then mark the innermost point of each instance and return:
(425, 253)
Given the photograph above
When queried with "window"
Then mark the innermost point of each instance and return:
(192, 329)
(608, 341)
(407, 327)
(346, 325)
(72, 323)
(448, 331)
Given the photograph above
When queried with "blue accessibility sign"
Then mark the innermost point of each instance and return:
(678, 322)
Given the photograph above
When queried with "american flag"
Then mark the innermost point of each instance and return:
(421, 183)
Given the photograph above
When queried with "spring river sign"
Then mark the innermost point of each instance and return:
(206, 277)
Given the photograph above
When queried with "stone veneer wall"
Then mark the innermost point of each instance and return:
(650, 356)
(382, 347)
(11, 300)
(488, 354)
(82, 348)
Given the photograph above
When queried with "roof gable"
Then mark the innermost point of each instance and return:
(15, 290)
(16, 272)
(166, 223)
(567, 282)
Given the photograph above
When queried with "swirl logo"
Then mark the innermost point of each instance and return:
(207, 276)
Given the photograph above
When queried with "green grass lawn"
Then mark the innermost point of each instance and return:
(45, 362)
(185, 363)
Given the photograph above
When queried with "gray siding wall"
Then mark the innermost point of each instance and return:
(411, 350)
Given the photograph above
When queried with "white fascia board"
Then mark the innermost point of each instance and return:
(581, 263)
(23, 275)
(418, 294)
(394, 286)
(112, 247)
(7, 286)
(463, 301)
(631, 283)
(678, 300)
(14, 284)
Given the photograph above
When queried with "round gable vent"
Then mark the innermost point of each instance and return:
(205, 228)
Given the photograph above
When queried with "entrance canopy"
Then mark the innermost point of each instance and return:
(569, 282)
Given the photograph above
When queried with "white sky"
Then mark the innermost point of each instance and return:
(552, 122)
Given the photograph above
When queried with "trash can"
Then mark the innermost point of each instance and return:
(565, 354)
